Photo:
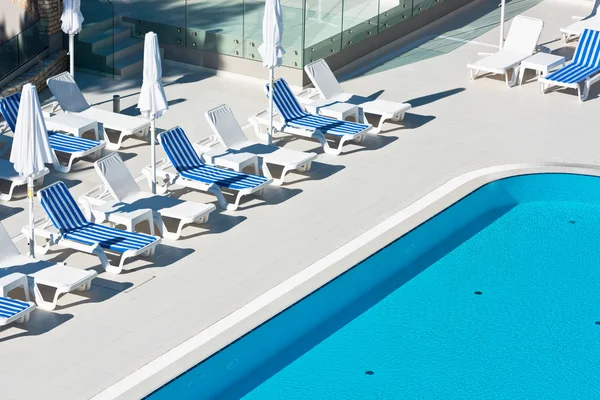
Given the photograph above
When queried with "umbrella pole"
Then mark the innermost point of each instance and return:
(272, 78)
(502, 5)
(153, 152)
(31, 220)
(72, 54)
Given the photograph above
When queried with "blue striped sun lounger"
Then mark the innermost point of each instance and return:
(12, 310)
(78, 233)
(299, 122)
(71, 146)
(583, 70)
(194, 173)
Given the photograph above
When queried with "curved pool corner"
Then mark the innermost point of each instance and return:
(273, 302)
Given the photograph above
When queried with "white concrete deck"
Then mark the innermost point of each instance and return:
(92, 341)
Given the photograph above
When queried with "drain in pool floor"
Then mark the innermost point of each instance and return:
(369, 372)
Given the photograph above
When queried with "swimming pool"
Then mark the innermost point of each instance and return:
(496, 297)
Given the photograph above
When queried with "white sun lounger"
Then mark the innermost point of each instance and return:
(8, 173)
(231, 136)
(121, 190)
(72, 147)
(71, 100)
(582, 71)
(520, 43)
(12, 310)
(56, 276)
(576, 29)
(192, 172)
(74, 231)
(329, 88)
(298, 122)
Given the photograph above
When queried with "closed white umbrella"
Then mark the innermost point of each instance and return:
(152, 102)
(270, 49)
(30, 149)
(72, 21)
(502, 6)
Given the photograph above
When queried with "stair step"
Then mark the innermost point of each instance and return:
(90, 29)
(123, 49)
(104, 38)
(130, 65)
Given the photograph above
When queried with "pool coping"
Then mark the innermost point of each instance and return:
(228, 329)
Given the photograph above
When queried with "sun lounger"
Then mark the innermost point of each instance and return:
(583, 70)
(55, 276)
(231, 136)
(520, 43)
(298, 122)
(76, 232)
(12, 310)
(8, 173)
(192, 172)
(71, 100)
(329, 88)
(121, 190)
(62, 144)
(576, 29)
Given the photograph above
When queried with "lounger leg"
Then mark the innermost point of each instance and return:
(62, 168)
(379, 126)
(473, 73)
(221, 198)
(398, 117)
(99, 252)
(510, 81)
(276, 181)
(43, 303)
(583, 95)
(236, 204)
(305, 167)
(8, 196)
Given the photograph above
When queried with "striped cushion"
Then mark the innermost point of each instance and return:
(295, 116)
(70, 144)
(189, 165)
(110, 238)
(11, 307)
(62, 208)
(68, 218)
(586, 60)
(9, 107)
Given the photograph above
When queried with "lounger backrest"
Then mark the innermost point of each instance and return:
(67, 93)
(62, 208)
(587, 53)
(323, 78)
(225, 126)
(116, 177)
(9, 249)
(523, 35)
(9, 108)
(179, 150)
(285, 101)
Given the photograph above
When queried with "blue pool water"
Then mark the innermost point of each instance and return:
(496, 297)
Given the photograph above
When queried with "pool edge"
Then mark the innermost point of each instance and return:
(218, 335)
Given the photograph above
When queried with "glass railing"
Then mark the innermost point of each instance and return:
(20, 49)
(313, 29)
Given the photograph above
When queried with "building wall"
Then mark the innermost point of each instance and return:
(50, 10)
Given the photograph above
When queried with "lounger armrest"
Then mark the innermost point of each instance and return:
(308, 95)
(96, 196)
(543, 49)
(49, 109)
(4, 128)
